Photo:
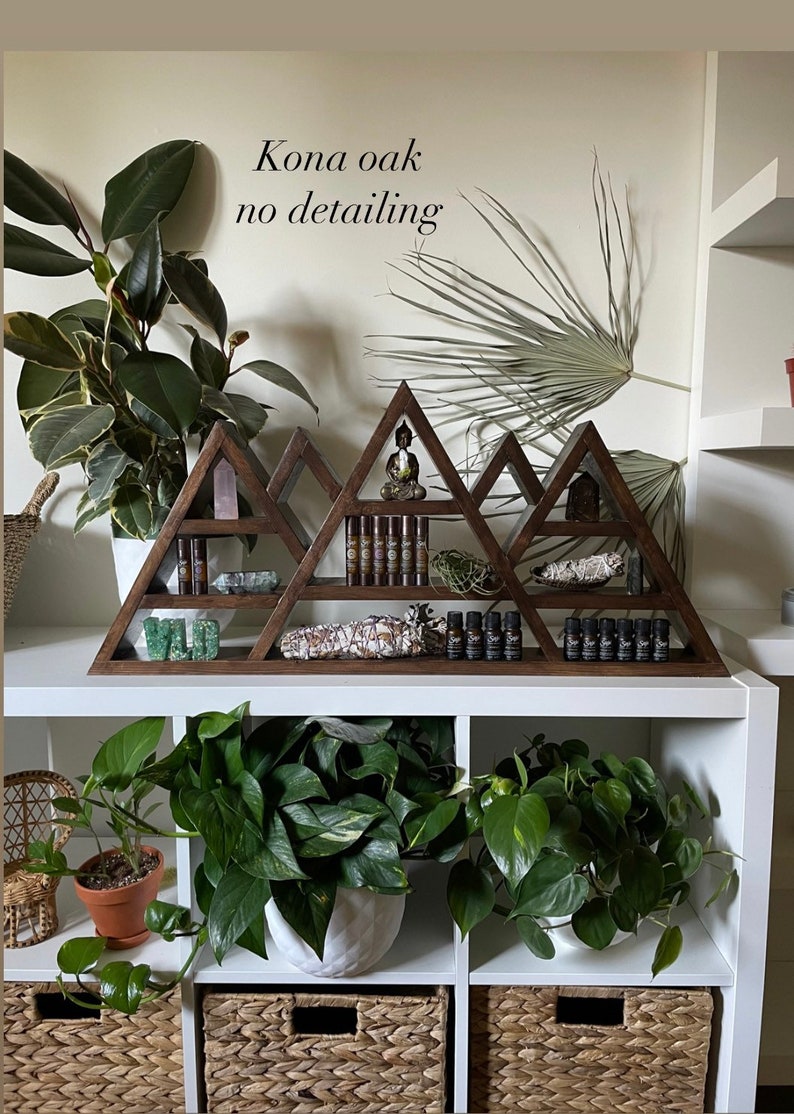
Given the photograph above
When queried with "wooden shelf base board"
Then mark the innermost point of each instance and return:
(533, 664)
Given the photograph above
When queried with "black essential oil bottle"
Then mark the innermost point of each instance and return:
(492, 636)
(572, 639)
(455, 643)
(474, 638)
(512, 643)
(589, 639)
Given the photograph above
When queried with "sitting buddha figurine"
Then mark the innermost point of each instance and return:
(402, 468)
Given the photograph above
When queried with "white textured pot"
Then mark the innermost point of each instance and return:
(223, 554)
(564, 935)
(363, 927)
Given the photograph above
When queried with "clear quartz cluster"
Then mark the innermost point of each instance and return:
(235, 583)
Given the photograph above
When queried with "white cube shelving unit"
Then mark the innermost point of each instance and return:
(718, 732)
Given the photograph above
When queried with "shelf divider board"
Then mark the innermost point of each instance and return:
(768, 427)
(270, 495)
(760, 213)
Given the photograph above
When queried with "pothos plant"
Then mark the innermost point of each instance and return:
(95, 389)
(113, 795)
(116, 793)
(601, 845)
(292, 810)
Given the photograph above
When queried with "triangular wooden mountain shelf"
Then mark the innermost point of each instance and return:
(269, 496)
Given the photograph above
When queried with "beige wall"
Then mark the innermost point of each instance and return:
(521, 126)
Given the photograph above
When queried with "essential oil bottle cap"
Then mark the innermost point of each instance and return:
(642, 626)
(512, 620)
(492, 620)
(625, 626)
(473, 619)
(454, 618)
(661, 624)
(589, 626)
(572, 624)
(607, 624)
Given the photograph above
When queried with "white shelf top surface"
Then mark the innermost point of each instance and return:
(422, 954)
(768, 427)
(46, 675)
(760, 213)
(755, 637)
(495, 963)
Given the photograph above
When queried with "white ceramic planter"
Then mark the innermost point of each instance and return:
(363, 927)
(129, 554)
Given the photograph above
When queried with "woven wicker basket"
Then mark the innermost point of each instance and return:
(18, 530)
(100, 1063)
(651, 1056)
(350, 1052)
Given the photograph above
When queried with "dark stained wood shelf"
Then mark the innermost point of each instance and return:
(336, 587)
(237, 662)
(606, 528)
(437, 507)
(224, 527)
(217, 600)
(269, 496)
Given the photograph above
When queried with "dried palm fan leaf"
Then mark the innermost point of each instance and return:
(534, 370)
(525, 361)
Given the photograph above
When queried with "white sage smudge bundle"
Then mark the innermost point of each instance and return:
(581, 575)
(377, 636)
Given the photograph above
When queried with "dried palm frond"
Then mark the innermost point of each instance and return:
(516, 362)
(657, 485)
(509, 364)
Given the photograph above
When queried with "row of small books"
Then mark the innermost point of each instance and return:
(386, 549)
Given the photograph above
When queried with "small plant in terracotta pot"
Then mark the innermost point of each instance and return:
(116, 885)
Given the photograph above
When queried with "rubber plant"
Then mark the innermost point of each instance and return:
(94, 388)
(599, 845)
(292, 809)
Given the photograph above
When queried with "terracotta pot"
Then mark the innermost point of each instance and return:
(790, 369)
(118, 914)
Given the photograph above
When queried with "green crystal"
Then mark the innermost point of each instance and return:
(178, 650)
(206, 639)
(158, 638)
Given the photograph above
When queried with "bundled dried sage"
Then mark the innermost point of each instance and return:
(587, 572)
(377, 636)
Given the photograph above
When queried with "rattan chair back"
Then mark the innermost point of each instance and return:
(29, 910)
